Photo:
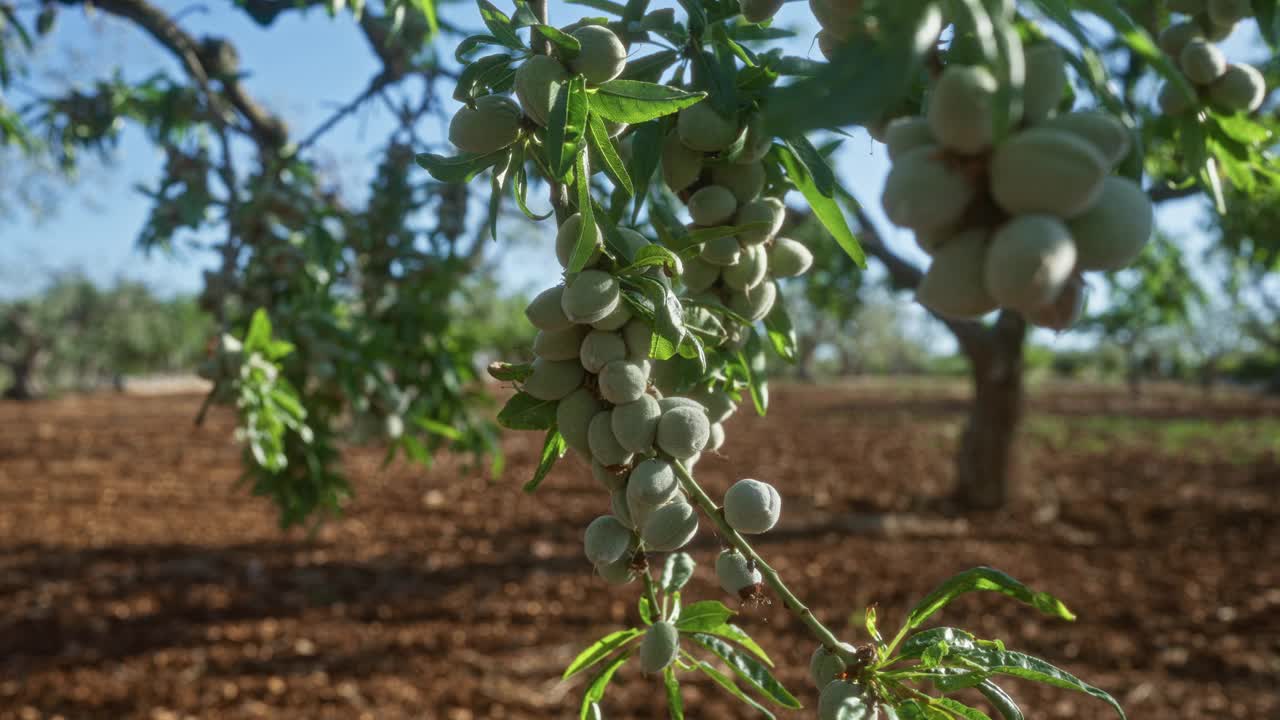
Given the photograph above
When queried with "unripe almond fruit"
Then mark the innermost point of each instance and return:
(954, 286)
(601, 347)
(1228, 12)
(1172, 100)
(559, 344)
(736, 574)
(638, 338)
(1240, 89)
(606, 540)
(660, 647)
(635, 424)
(628, 243)
(750, 269)
(715, 439)
(961, 109)
(1065, 310)
(718, 404)
(826, 665)
(829, 43)
(1029, 261)
(712, 205)
(907, 133)
(1202, 62)
(699, 275)
(683, 432)
(602, 56)
(1174, 38)
(624, 381)
(567, 240)
(590, 296)
(843, 699)
(618, 572)
(1046, 81)
(618, 505)
(744, 179)
(1047, 171)
(537, 82)
(1106, 133)
(754, 304)
(681, 166)
(765, 210)
(605, 448)
(545, 311)
(573, 417)
(752, 507)
(836, 16)
(671, 526)
(788, 258)
(613, 479)
(651, 485)
(758, 11)
(491, 126)
(704, 129)
(1111, 234)
(723, 251)
(923, 193)
(552, 380)
(615, 320)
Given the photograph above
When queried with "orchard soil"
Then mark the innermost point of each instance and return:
(138, 581)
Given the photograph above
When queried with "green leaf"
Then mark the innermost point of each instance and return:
(471, 43)
(567, 44)
(435, 427)
(1000, 700)
(717, 74)
(510, 372)
(567, 127)
(916, 645)
(653, 255)
(646, 154)
(1027, 667)
(873, 628)
(781, 333)
(585, 244)
(595, 691)
(599, 650)
(676, 572)
(675, 704)
(646, 610)
(704, 616)
(553, 448)
(982, 579)
(727, 683)
(460, 168)
(605, 150)
(668, 327)
(915, 710)
(520, 188)
(815, 165)
(500, 26)
(697, 15)
(635, 101)
(826, 209)
(259, 335)
(525, 412)
(729, 631)
(959, 708)
(749, 669)
(1264, 11)
(649, 68)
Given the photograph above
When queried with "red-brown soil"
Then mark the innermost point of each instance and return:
(138, 581)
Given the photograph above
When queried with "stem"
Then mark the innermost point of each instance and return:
(651, 590)
(789, 599)
(542, 46)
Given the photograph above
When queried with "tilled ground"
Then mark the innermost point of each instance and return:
(137, 580)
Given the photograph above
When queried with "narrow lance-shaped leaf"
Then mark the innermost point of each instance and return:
(525, 412)
(676, 572)
(675, 704)
(585, 244)
(1000, 700)
(704, 616)
(553, 448)
(599, 650)
(567, 44)
(826, 209)
(595, 691)
(500, 25)
(749, 669)
(731, 687)
(567, 127)
(598, 135)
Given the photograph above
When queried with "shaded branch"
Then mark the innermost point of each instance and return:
(1164, 192)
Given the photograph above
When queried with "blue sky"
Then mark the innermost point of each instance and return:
(305, 65)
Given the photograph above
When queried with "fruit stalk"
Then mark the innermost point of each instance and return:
(771, 577)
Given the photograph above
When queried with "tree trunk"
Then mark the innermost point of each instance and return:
(984, 464)
(25, 385)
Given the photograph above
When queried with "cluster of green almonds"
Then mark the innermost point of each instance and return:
(1013, 224)
(493, 122)
(715, 164)
(1231, 87)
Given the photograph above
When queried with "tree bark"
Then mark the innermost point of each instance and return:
(984, 463)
